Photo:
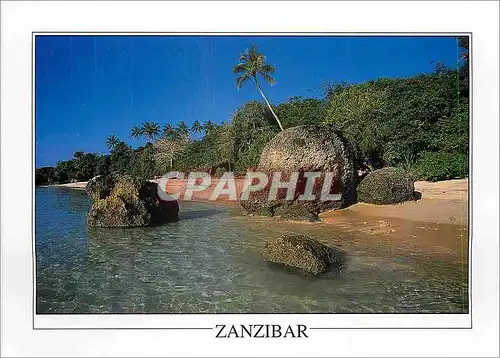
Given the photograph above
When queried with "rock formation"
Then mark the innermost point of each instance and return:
(123, 201)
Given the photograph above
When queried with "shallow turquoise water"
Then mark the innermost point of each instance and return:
(210, 262)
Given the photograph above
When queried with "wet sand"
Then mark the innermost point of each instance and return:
(435, 226)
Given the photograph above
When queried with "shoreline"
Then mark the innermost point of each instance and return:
(75, 185)
(444, 202)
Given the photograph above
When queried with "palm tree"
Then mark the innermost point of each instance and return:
(208, 126)
(136, 132)
(251, 64)
(196, 127)
(183, 128)
(112, 141)
(168, 131)
(151, 130)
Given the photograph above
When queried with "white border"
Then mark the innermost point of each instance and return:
(208, 321)
(23, 18)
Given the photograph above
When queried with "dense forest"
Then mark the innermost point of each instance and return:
(418, 123)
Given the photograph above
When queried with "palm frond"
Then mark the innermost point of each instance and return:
(253, 53)
(242, 79)
(243, 57)
(240, 68)
(268, 78)
(267, 68)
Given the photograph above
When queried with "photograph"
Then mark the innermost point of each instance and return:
(251, 174)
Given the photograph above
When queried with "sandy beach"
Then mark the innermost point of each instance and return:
(75, 185)
(444, 202)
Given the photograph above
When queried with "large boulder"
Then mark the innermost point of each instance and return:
(300, 252)
(305, 149)
(124, 201)
(386, 186)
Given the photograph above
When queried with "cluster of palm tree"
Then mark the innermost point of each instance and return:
(149, 130)
(152, 132)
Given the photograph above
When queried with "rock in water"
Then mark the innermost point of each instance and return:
(306, 149)
(386, 186)
(299, 252)
(124, 201)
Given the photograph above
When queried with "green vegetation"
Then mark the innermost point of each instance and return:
(434, 166)
(419, 124)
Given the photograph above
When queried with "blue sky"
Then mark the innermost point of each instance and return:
(89, 87)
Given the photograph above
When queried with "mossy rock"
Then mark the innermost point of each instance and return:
(124, 201)
(300, 252)
(296, 212)
(386, 186)
(115, 212)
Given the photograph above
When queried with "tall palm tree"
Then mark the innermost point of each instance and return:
(183, 128)
(208, 126)
(151, 130)
(251, 64)
(196, 127)
(136, 132)
(112, 141)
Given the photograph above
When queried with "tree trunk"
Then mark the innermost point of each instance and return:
(268, 104)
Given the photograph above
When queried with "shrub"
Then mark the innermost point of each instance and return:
(386, 186)
(434, 166)
(299, 111)
(220, 172)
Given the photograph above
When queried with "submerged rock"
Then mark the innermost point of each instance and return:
(306, 149)
(386, 186)
(124, 201)
(300, 252)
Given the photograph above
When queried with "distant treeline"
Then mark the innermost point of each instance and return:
(418, 123)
